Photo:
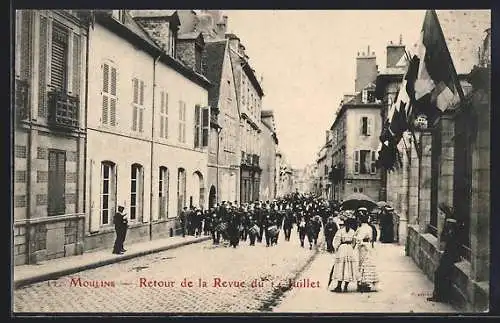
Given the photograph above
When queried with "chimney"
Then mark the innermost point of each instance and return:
(396, 54)
(366, 70)
(222, 27)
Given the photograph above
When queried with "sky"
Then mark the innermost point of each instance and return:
(307, 61)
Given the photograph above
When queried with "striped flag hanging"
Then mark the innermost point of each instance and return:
(429, 87)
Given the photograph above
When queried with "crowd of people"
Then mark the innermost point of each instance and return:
(348, 234)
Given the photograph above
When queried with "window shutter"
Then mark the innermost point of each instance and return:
(373, 169)
(356, 162)
(113, 81)
(369, 127)
(26, 54)
(112, 111)
(105, 109)
(197, 122)
(141, 88)
(105, 78)
(135, 86)
(58, 68)
(141, 120)
(361, 125)
(162, 127)
(42, 67)
(162, 102)
(76, 64)
(205, 126)
(134, 118)
(141, 199)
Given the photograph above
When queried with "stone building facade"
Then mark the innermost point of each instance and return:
(250, 94)
(147, 125)
(453, 166)
(49, 134)
(269, 145)
(354, 136)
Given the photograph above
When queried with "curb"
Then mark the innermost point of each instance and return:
(56, 274)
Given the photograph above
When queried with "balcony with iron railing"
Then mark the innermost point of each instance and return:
(63, 109)
(21, 99)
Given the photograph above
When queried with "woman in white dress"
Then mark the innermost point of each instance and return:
(345, 267)
(367, 277)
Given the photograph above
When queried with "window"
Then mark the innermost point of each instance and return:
(365, 161)
(371, 96)
(138, 105)
(360, 190)
(163, 114)
(356, 162)
(182, 122)
(326, 170)
(365, 124)
(136, 189)
(355, 190)
(108, 190)
(56, 183)
(163, 182)
(59, 58)
(109, 97)
(243, 88)
(373, 168)
(364, 96)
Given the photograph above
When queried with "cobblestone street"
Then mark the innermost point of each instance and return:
(134, 281)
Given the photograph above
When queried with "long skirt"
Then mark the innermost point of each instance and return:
(367, 270)
(346, 264)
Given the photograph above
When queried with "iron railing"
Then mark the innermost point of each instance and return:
(63, 109)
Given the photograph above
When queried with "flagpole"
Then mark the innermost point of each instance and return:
(457, 81)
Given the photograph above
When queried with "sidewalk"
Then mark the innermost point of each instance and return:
(52, 269)
(403, 288)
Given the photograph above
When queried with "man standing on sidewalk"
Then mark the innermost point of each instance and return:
(121, 225)
(182, 219)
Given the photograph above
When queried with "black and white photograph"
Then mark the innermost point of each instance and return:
(250, 161)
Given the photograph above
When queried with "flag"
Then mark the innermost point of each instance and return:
(437, 82)
(430, 86)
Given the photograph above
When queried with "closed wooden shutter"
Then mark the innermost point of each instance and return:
(369, 127)
(205, 126)
(141, 120)
(105, 94)
(58, 67)
(26, 38)
(135, 86)
(356, 162)
(197, 119)
(76, 64)
(42, 68)
(141, 97)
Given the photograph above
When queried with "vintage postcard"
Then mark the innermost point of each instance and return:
(251, 161)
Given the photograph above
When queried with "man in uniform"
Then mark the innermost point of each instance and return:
(121, 225)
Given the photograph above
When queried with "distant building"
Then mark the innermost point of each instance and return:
(249, 93)
(355, 136)
(269, 146)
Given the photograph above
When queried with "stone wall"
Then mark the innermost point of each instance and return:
(48, 238)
